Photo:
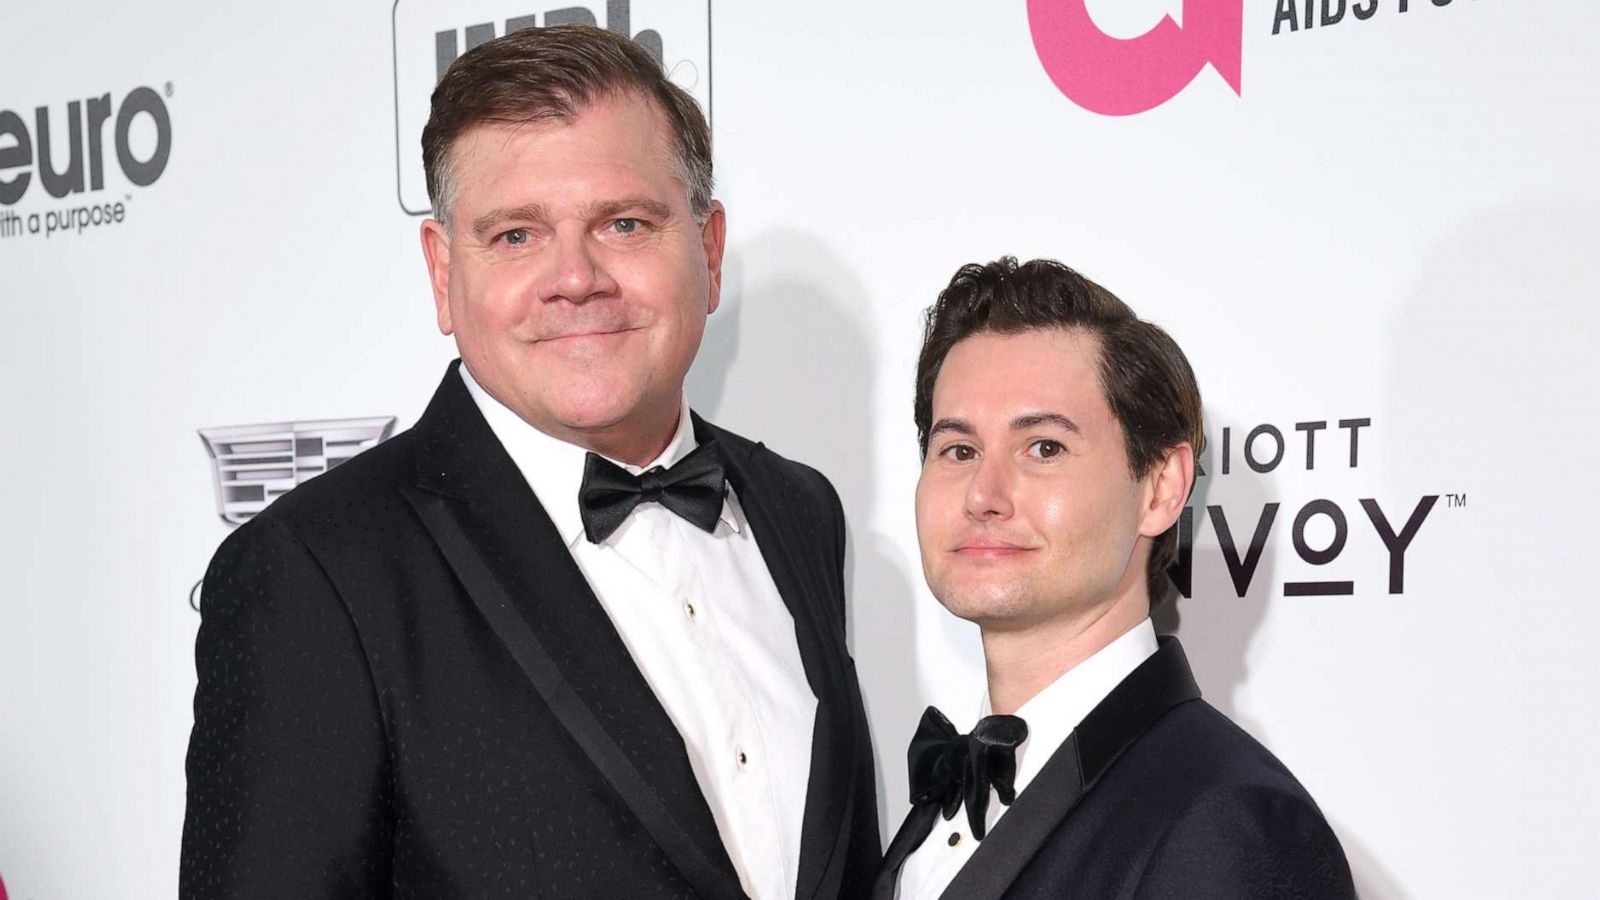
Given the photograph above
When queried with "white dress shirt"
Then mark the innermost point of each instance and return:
(1051, 715)
(704, 622)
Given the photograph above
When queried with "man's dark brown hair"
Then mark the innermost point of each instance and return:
(1145, 377)
(550, 75)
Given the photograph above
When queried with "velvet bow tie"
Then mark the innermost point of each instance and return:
(948, 768)
(693, 488)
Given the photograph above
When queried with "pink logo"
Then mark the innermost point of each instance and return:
(1117, 77)
(2, 889)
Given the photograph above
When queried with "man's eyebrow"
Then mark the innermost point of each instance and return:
(1033, 420)
(959, 426)
(527, 212)
(608, 209)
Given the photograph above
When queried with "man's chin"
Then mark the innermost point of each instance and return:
(590, 421)
(568, 419)
(590, 404)
(995, 605)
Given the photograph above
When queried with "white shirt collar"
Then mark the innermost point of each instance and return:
(1056, 711)
(554, 468)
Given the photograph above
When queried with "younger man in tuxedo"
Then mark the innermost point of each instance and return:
(1059, 435)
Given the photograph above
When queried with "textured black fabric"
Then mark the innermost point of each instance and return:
(383, 712)
(694, 488)
(1157, 796)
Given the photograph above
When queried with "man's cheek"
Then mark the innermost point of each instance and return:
(1050, 514)
(937, 506)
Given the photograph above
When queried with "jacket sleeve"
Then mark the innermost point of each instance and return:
(287, 766)
(1248, 841)
(866, 844)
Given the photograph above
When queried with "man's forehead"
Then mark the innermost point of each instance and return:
(518, 162)
(1043, 357)
(995, 376)
(623, 116)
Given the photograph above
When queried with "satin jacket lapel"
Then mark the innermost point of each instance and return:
(830, 793)
(1159, 683)
(913, 831)
(508, 555)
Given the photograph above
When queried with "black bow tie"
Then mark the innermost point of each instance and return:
(948, 768)
(693, 488)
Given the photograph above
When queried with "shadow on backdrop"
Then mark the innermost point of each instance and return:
(1218, 625)
(786, 361)
(1497, 332)
(1215, 623)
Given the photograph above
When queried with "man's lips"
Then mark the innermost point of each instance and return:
(989, 548)
(588, 333)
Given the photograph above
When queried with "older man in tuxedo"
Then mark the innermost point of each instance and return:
(563, 638)
(1059, 434)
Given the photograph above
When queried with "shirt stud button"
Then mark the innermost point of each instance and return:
(955, 838)
(688, 610)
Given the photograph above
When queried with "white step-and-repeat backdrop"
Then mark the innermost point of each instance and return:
(1372, 225)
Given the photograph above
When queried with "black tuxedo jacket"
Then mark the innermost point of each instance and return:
(1155, 795)
(407, 689)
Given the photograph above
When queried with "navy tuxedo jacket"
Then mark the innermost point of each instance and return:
(407, 689)
(1155, 796)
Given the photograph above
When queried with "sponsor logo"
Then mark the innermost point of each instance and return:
(1319, 528)
(429, 35)
(1295, 15)
(1117, 76)
(69, 152)
(253, 465)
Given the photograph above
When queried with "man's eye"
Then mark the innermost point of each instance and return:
(516, 236)
(960, 452)
(626, 226)
(1046, 449)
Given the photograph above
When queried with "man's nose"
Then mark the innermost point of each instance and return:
(989, 492)
(577, 272)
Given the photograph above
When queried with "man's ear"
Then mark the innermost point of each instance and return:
(436, 250)
(712, 235)
(1167, 490)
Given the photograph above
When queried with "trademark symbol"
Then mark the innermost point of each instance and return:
(169, 89)
(1456, 501)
